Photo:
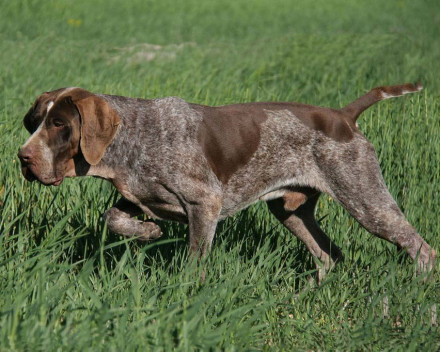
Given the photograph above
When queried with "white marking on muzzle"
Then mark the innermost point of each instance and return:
(31, 138)
(46, 152)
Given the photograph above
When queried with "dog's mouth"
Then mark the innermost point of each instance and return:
(30, 176)
(58, 182)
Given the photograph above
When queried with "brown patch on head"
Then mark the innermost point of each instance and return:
(38, 111)
(229, 136)
(62, 128)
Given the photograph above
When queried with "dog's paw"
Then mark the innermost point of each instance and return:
(426, 259)
(152, 231)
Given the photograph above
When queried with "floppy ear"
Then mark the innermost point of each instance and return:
(99, 124)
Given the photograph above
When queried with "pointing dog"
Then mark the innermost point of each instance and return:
(197, 164)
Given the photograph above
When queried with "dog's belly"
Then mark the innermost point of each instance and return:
(275, 182)
(230, 207)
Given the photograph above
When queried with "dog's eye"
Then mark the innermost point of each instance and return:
(58, 123)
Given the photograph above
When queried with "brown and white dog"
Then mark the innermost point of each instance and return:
(198, 164)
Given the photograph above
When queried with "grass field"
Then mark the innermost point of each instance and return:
(66, 283)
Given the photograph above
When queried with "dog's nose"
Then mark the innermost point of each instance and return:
(25, 155)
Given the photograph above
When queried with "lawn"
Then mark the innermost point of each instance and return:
(66, 283)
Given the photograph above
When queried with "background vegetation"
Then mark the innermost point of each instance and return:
(68, 284)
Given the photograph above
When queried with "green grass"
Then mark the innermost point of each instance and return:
(66, 283)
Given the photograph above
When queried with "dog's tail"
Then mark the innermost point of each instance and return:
(377, 94)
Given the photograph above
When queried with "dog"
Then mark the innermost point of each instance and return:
(197, 164)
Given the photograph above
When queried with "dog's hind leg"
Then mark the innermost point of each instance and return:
(302, 223)
(356, 182)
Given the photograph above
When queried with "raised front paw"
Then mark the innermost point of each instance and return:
(152, 231)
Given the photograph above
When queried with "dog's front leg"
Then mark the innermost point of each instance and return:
(119, 220)
(202, 218)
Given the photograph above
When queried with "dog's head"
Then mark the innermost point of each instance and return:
(68, 126)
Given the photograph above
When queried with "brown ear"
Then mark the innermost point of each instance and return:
(99, 124)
